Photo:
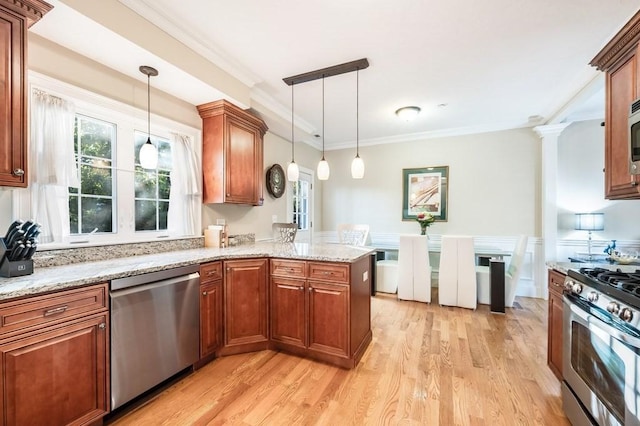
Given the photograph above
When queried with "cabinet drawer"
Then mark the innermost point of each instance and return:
(333, 272)
(556, 281)
(45, 310)
(210, 272)
(288, 268)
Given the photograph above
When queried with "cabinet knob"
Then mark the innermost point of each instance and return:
(204, 293)
(18, 172)
(634, 183)
(102, 326)
(228, 195)
(301, 287)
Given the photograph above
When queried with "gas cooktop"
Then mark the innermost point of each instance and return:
(622, 285)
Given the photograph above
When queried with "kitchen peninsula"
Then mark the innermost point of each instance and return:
(306, 299)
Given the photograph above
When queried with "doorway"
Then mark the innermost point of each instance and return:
(300, 205)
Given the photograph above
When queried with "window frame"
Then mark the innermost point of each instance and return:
(128, 119)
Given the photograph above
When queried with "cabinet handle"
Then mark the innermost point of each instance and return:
(204, 293)
(53, 311)
(327, 273)
(335, 293)
(102, 326)
(18, 172)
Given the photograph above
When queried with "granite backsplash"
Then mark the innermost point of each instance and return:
(59, 257)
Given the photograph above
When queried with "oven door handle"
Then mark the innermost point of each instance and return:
(597, 322)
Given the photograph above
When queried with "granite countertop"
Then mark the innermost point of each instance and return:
(62, 277)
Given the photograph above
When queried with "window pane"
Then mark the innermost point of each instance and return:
(163, 210)
(96, 137)
(73, 213)
(164, 185)
(145, 183)
(164, 153)
(91, 207)
(146, 215)
(96, 213)
(95, 180)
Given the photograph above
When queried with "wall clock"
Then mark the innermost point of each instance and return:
(276, 181)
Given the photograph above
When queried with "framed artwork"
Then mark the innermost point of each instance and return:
(425, 189)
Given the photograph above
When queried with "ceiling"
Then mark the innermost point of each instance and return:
(470, 66)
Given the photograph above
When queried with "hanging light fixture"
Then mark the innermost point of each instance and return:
(357, 165)
(148, 152)
(292, 171)
(323, 165)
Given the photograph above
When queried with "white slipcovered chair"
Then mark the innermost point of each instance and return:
(457, 275)
(414, 269)
(353, 234)
(511, 276)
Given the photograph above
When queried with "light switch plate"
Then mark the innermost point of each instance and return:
(365, 276)
(274, 218)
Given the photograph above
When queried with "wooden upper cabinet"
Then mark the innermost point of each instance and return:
(232, 157)
(15, 18)
(619, 60)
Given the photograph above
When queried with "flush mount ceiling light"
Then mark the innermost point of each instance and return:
(357, 167)
(408, 113)
(148, 152)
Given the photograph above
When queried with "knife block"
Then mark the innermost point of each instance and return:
(16, 268)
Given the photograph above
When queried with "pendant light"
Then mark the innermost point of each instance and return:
(357, 165)
(148, 152)
(292, 171)
(323, 165)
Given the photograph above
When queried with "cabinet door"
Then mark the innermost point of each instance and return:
(554, 348)
(288, 318)
(243, 163)
(245, 295)
(621, 91)
(58, 377)
(329, 318)
(210, 317)
(13, 144)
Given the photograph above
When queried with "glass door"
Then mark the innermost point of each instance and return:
(301, 206)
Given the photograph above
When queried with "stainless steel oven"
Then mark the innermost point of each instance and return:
(601, 355)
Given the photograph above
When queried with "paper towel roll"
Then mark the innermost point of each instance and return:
(212, 237)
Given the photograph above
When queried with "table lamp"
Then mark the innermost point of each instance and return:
(589, 222)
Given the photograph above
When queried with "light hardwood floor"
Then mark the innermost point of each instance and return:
(426, 365)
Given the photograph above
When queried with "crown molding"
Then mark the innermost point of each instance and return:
(197, 42)
(619, 45)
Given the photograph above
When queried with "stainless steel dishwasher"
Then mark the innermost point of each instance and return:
(154, 329)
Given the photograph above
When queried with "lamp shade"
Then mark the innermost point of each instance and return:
(323, 169)
(293, 172)
(589, 221)
(148, 156)
(357, 168)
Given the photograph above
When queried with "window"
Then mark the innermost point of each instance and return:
(117, 201)
(152, 187)
(91, 206)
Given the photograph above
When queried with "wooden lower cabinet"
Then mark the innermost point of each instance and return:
(245, 302)
(329, 318)
(321, 309)
(288, 311)
(554, 343)
(210, 318)
(56, 377)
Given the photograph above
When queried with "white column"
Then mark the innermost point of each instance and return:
(549, 135)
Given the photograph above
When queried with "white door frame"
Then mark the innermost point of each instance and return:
(303, 236)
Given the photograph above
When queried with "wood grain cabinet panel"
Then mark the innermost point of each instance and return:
(288, 316)
(245, 302)
(211, 317)
(54, 358)
(15, 18)
(619, 60)
(232, 154)
(555, 318)
(329, 318)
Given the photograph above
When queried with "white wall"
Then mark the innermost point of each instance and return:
(493, 181)
(580, 189)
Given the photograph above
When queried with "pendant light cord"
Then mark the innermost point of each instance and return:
(323, 118)
(357, 113)
(292, 143)
(149, 108)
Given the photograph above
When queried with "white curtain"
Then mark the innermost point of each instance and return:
(53, 168)
(185, 197)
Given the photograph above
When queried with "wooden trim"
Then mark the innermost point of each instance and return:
(32, 10)
(627, 38)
